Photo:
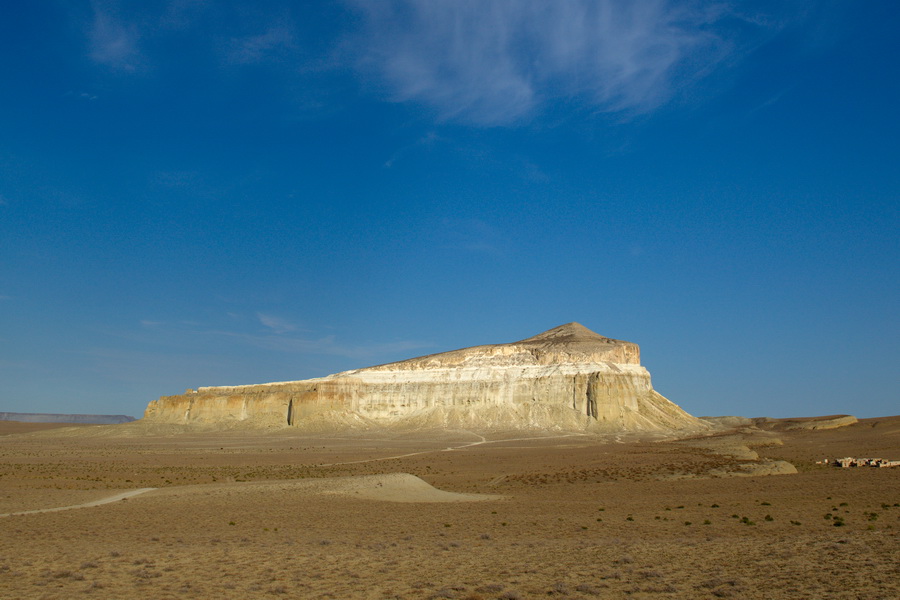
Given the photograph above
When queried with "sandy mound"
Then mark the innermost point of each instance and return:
(806, 423)
(728, 422)
(391, 487)
(394, 487)
(738, 445)
(770, 424)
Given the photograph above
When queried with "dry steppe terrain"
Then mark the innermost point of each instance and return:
(390, 514)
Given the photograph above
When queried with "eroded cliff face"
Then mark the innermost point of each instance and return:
(568, 377)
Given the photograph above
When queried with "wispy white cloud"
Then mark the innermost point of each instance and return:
(500, 62)
(80, 95)
(113, 42)
(129, 36)
(280, 335)
(276, 324)
(426, 141)
(254, 49)
(328, 345)
(770, 101)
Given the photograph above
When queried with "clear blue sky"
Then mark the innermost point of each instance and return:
(209, 193)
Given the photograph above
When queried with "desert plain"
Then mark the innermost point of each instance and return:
(385, 513)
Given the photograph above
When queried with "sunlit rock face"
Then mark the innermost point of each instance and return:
(567, 377)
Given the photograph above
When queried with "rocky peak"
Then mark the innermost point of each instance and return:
(570, 332)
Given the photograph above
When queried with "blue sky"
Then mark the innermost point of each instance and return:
(209, 193)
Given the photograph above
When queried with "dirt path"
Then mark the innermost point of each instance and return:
(483, 440)
(107, 500)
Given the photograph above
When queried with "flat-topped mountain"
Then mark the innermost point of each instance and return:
(566, 378)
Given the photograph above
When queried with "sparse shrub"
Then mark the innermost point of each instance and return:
(714, 506)
(765, 504)
(769, 518)
(687, 523)
(796, 523)
(587, 589)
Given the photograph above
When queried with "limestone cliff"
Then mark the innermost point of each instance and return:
(567, 377)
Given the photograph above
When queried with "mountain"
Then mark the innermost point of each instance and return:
(566, 378)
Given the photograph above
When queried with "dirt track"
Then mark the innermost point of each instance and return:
(581, 518)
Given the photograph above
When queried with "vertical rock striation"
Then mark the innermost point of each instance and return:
(567, 377)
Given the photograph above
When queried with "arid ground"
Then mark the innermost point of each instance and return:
(243, 514)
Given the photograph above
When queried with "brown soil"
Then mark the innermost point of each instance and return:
(269, 514)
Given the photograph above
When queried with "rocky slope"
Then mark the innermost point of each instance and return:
(567, 377)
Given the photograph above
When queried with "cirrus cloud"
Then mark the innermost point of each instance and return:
(500, 62)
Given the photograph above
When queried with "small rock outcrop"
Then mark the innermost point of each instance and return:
(568, 378)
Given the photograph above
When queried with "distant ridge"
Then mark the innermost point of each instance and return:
(64, 418)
